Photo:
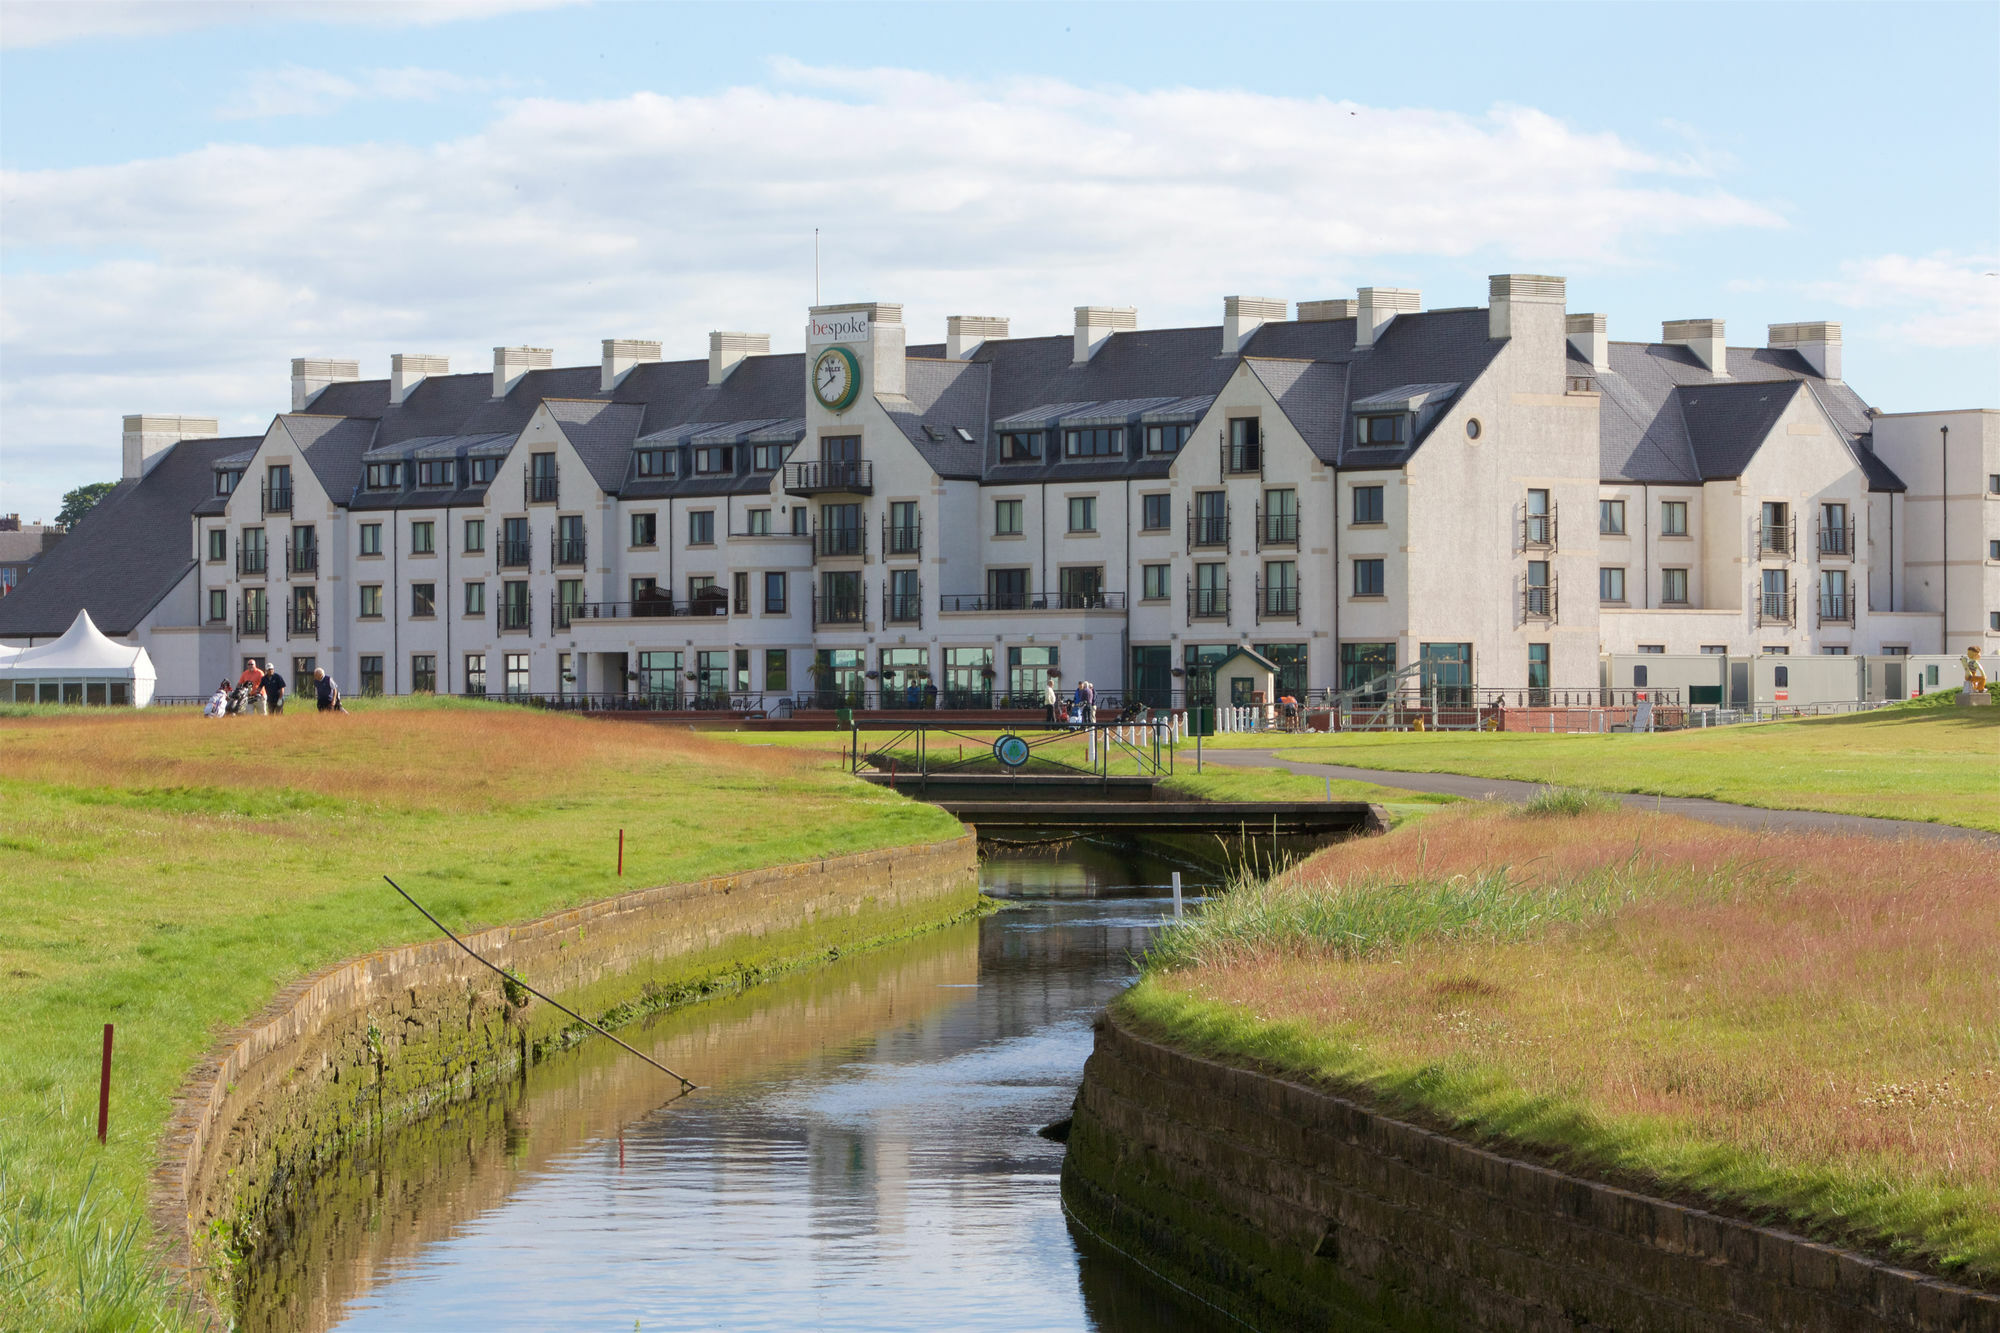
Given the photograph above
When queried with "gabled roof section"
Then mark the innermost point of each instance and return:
(601, 433)
(127, 553)
(1430, 348)
(332, 447)
(1309, 393)
(941, 399)
(1727, 423)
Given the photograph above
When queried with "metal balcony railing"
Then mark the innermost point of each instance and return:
(1032, 601)
(252, 561)
(1777, 540)
(252, 622)
(302, 620)
(1538, 531)
(1207, 529)
(1777, 608)
(514, 617)
(566, 550)
(302, 560)
(1243, 459)
(837, 610)
(1836, 540)
(846, 477)
(903, 608)
(539, 490)
(512, 555)
(1538, 600)
(662, 606)
(276, 499)
(1277, 601)
(1277, 528)
(904, 539)
(839, 543)
(1836, 608)
(1207, 603)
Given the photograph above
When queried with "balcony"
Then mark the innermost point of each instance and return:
(1776, 541)
(1207, 603)
(1243, 459)
(514, 617)
(1538, 601)
(566, 550)
(540, 490)
(905, 540)
(1207, 530)
(276, 499)
(1277, 601)
(1836, 541)
(903, 608)
(302, 562)
(251, 562)
(1777, 608)
(848, 477)
(840, 543)
(512, 554)
(1836, 608)
(252, 622)
(662, 606)
(836, 610)
(1277, 529)
(302, 620)
(1538, 531)
(955, 603)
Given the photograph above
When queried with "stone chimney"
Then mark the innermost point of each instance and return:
(1508, 295)
(1378, 306)
(1096, 323)
(1587, 336)
(620, 355)
(311, 374)
(147, 438)
(727, 350)
(1817, 341)
(510, 363)
(963, 334)
(1703, 337)
(1315, 312)
(409, 369)
(1243, 316)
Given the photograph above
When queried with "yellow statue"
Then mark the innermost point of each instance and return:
(1975, 674)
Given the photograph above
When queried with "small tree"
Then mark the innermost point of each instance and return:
(78, 502)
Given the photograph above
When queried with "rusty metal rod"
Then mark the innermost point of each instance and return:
(687, 1084)
(104, 1090)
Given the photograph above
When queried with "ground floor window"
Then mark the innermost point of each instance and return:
(371, 674)
(1028, 670)
(711, 674)
(1290, 659)
(475, 674)
(1538, 674)
(905, 673)
(1361, 663)
(566, 681)
(517, 673)
(424, 673)
(302, 670)
(1447, 673)
(839, 677)
(1200, 661)
(777, 675)
(1152, 678)
(968, 677)
(660, 678)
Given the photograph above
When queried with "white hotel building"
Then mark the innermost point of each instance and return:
(1501, 493)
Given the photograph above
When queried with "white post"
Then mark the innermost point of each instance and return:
(1177, 894)
(1090, 744)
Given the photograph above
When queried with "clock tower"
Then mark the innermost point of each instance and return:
(852, 353)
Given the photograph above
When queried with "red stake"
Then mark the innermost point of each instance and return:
(104, 1089)
(621, 853)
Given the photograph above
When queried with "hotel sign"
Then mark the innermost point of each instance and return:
(847, 327)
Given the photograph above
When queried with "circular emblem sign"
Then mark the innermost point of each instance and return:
(1011, 751)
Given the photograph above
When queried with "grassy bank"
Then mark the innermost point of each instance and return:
(169, 874)
(1803, 1027)
(1925, 760)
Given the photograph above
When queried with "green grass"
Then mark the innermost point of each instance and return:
(1922, 761)
(1217, 782)
(169, 874)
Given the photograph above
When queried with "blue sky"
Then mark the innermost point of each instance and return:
(195, 193)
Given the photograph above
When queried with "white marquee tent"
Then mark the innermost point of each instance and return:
(83, 666)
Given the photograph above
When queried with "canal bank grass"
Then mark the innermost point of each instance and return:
(1925, 761)
(1803, 1028)
(170, 874)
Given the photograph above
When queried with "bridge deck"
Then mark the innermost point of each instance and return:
(1253, 818)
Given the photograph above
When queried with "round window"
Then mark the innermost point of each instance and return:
(1472, 428)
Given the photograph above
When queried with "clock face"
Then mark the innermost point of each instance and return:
(836, 379)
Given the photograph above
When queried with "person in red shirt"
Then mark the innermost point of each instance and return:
(252, 679)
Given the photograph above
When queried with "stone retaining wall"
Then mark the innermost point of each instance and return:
(1293, 1207)
(378, 1039)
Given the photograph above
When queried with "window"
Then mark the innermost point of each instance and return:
(218, 544)
(1992, 622)
(1367, 504)
(481, 469)
(423, 673)
(766, 458)
(757, 522)
(1540, 603)
(371, 539)
(475, 674)
(1368, 578)
(799, 521)
(1281, 588)
(1211, 591)
(371, 674)
(1168, 439)
(1993, 483)
(1611, 518)
(371, 601)
(655, 462)
(1673, 586)
(1245, 452)
(645, 589)
(225, 481)
(906, 597)
(1673, 518)
(1835, 650)
(1777, 596)
(514, 551)
(1361, 663)
(1007, 589)
(423, 537)
(1610, 584)
(1774, 535)
(569, 547)
(218, 604)
(1157, 587)
(739, 592)
(1096, 442)
(1211, 519)
(475, 535)
(1639, 673)
(714, 458)
(1895, 650)
(475, 599)
(1993, 550)
(1020, 446)
(645, 529)
(542, 479)
(1716, 649)
(777, 675)
(1652, 648)
(774, 593)
(1006, 518)
(517, 673)
(840, 598)
(1281, 518)
(423, 599)
(515, 613)
(840, 449)
(906, 529)
(1156, 513)
(1083, 513)
(1380, 430)
(1538, 669)
(384, 476)
(1781, 677)
(701, 528)
(436, 473)
(1081, 586)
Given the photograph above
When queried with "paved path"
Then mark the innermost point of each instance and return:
(1694, 807)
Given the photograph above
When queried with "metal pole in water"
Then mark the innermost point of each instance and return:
(1177, 894)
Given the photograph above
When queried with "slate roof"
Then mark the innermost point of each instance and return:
(126, 554)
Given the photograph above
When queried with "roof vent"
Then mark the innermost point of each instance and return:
(312, 374)
(1318, 312)
(727, 350)
(620, 355)
(409, 369)
(1818, 341)
(1378, 306)
(1587, 335)
(148, 437)
(1703, 337)
(963, 334)
(1243, 316)
(1096, 323)
(511, 363)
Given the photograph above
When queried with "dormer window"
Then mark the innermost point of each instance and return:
(656, 462)
(481, 469)
(385, 476)
(1021, 446)
(767, 457)
(435, 474)
(226, 479)
(1383, 430)
(1168, 439)
(711, 460)
(1097, 442)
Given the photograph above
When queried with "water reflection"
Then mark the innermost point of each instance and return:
(863, 1156)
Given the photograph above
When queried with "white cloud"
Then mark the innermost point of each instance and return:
(294, 90)
(26, 23)
(1941, 300)
(663, 216)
